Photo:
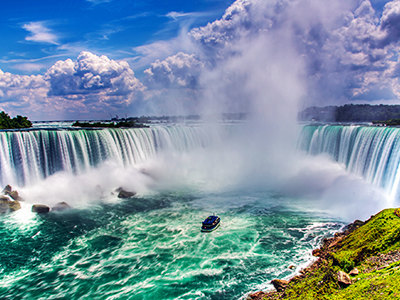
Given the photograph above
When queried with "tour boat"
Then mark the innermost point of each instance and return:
(210, 224)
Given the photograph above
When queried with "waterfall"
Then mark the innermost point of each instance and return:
(29, 156)
(370, 152)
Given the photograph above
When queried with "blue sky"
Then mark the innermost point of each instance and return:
(37, 33)
(93, 59)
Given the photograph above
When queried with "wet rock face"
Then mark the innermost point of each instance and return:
(14, 195)
(40, 208)
(256, 296)
(7, 189)
(8, 205)
(279, 284)
(9, 200)
(123, 194)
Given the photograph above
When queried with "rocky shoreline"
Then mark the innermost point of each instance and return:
(360, 262)
(10, 201)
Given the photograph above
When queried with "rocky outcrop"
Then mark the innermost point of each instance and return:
(7, 189)
(9, 200)
(8, 205)
(123, 194)
(256, 296)
(15, 195)
(279, 284)
(343, 278)
(12, 193)
(60, 206)
(40, 208)
(354, 272)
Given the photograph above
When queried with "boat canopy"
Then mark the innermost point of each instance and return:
(210, 220)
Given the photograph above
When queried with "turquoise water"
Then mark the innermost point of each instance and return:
(151, 247)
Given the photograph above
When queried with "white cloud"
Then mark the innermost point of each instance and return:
(40, 33)
(29, 67)
(178, 71)
(344, 50)
(92, 74)
(176, 15)
(21, 92)
(91, 86)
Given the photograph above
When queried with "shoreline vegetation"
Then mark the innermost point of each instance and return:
(361, 262)
(120, 124)
(17, 122)
(391, 122)
(379, 114)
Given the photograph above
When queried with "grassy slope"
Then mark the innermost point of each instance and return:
(381, 234)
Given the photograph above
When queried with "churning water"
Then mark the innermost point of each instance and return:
(150, 246)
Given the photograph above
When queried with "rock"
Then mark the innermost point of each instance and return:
(291, 267)
(279, 284)
(3, 205)
(353, 226)
(7, 189)
(354, 272)
(317, 252)
(358, 223)
(124, 194)
(256, 295)
(7, 204)
(14, 205)
(14, 195)
(297, 278)
(40, 208)
(343, 278)
(334, 243)
(60, 206)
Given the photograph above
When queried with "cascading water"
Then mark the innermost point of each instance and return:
(149, 246)
(371, 152)
(29, 156)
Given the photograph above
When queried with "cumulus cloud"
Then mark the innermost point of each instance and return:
(178, 71)
(390, 24)
(343, 50)
(237, 20)
(90, 86)
(92, 74)
(18, 92)
(40, 33)
(349, 49)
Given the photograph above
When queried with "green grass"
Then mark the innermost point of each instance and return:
(381, 234)
(380, 284)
